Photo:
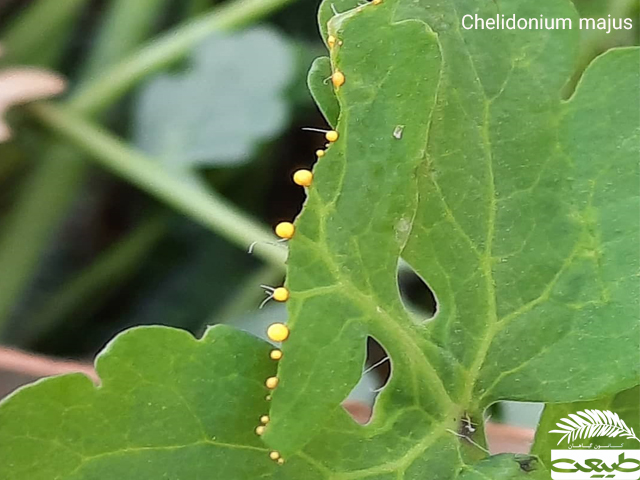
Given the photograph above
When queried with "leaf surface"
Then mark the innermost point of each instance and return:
(506, 467)
(519, 209)
(457, 154)
(322, 90)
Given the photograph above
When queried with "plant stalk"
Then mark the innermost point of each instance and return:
(202, 205)
(167, 49)
(54, 183)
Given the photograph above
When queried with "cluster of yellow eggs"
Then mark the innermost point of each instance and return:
(279, 332)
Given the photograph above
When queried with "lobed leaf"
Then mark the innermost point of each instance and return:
(520, 210)
(322, 90)
(169, 406)
(458, 155)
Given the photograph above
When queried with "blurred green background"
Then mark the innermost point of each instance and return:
(84, 253)
(132, 199)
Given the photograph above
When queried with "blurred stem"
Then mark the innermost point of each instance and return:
(168, 48)
(115, 265)
(203, 206)
(38, 35)
(49, 190)
(55, 182)
(127, 24)
(197, 7)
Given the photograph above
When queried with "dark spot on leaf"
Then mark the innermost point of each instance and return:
(467, 426)
(527, 464)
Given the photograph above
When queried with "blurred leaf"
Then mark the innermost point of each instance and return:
(47, 194)
(518, 209)
(38, 34)
(218, 111)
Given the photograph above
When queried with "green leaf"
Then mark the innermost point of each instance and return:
(519, 209)
(322, 90)
(328, 9)
(626, 404)
(328, 299)
(458, 155)
(506, 467)
(169, 406)
(218, 111)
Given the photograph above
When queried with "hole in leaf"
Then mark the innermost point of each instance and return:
(510, 426)
(417, 296)
(375, 376)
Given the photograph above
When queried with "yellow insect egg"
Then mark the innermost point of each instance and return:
(271, 383)
(268, 398)
(331, 40)
(281, 294)
(331, 135)
(274, 455)
(278, 332)
(275, 354)
(264, 419)
(281, 461)
(304, 178)
(376, 2)
(285, 230)
(320, 153)
(338, 79)
(260, 430)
